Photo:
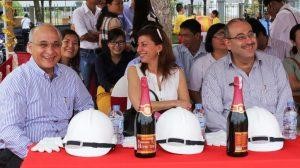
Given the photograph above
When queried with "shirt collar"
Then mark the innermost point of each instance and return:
(86, 9)
(39, 71)
(201, 51)
(257, 61)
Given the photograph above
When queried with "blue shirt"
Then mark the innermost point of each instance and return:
(266, 23)
(185, 59)
(33, 107)
(266, 86)
(127, 20)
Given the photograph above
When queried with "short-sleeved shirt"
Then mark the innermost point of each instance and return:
(198, 71)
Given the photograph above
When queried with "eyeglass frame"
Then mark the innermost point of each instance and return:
(119, 43)
(53, 45)
(242, 37)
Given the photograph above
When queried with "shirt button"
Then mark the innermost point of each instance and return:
(55, 121)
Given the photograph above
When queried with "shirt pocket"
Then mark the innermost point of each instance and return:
(65, 104)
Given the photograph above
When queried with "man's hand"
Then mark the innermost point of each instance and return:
(48, 144)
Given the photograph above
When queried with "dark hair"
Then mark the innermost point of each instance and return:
(113, 34)
(215, 12)
(267, 2)
(257, 27)
(26, 15)
(210, 34)
(179, 7)
(104, 13)
(293, 37)
(74, 62)
(193, 25)
(166, 59)
(140, 19)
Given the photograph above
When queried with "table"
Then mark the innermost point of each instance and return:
(211, 157)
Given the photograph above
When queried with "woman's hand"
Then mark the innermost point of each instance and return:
(184, 104)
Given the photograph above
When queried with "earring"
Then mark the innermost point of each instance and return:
(158, 53)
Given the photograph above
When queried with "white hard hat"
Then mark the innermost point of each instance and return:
(264, 133)
(90, 133)
(178, 131)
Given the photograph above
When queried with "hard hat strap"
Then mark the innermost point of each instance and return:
(177, 140)
(90, 144)
(265, 138)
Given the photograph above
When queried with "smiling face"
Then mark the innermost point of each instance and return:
(69, 46)
(242, 41)
(147, 49)
(45, 47)
(117, 45)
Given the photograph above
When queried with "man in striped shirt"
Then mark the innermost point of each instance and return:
(38, 98)
(265, 83)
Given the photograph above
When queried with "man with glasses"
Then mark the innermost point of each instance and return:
(285, 17)
(37, 99)
(191, 48)
(265, 83)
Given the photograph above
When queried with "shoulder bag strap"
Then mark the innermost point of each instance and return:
(292, 14)
(156, 98)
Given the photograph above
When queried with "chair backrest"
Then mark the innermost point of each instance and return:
(119, 94)
(23, 57)
(6, 67)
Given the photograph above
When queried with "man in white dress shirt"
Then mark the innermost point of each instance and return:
(84, 19)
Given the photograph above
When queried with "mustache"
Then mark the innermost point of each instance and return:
(249, 45)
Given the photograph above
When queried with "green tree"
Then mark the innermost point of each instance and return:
(39, 14)
(19, 11)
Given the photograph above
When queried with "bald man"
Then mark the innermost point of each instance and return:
(265, 83)
(38, 99)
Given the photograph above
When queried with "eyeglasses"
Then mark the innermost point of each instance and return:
(45, 44)
(119, 43)
(220, 36)
(67, 42)
(243, 37)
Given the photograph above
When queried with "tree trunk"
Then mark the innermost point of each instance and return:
(38, 13)
(50, 10)
(162, 8)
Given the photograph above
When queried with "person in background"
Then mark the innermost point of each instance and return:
(191, 48)
(127, 19)
(164, 77)
(265, 21)
(111, 64)
(180, 17)
(84, 19)
(285, 17)
(108, 19)
(70, 49)
(292, 63)
(265, 83)
(215, 17)
(26, 26)
(101, 4)
(38, 99)
(215, 46)
(270, 46)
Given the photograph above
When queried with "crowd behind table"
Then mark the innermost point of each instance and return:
(38, 99)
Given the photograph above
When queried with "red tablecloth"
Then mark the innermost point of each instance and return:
(211, 157)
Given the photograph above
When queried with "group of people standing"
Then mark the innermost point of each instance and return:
(38, 99)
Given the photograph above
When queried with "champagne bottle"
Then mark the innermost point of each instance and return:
(145, 125)
(237, 123)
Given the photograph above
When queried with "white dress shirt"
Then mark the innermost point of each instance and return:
(84, 20)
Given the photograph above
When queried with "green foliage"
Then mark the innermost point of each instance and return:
(19, 11)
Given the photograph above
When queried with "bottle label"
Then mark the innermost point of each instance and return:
(239, 108)
(241, 141)
(146, 143)
(146, 110)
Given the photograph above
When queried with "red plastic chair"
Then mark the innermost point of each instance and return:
(6, 66)
(23, 57)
